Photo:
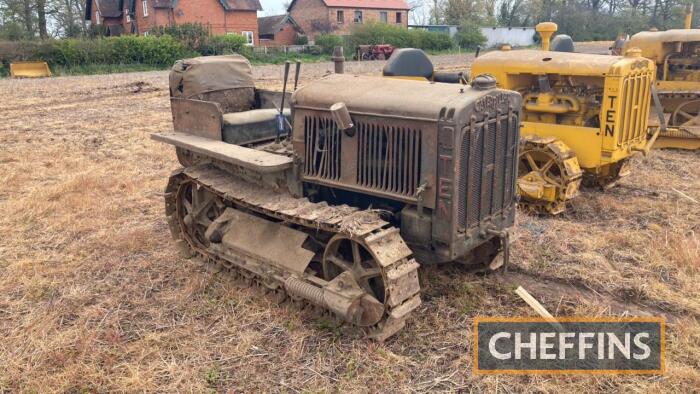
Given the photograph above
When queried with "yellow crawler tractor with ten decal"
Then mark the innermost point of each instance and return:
(583, 117)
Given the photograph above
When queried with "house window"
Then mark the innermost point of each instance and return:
(249, 37)
(358, 17)
(98, 20)
(128, 16)
(383, 16)
(144, 3)
(398, 17)
(340, 16)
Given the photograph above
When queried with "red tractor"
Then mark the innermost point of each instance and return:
(374, 52)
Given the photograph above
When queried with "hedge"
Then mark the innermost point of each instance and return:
(382, 33)
(327, 42)
(153, 51)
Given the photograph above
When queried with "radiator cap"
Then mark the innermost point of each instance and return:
(633, 52)
(484, 82)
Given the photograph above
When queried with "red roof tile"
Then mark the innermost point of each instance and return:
(383, 4)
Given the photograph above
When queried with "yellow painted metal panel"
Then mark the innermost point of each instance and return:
(655, 45)
(585, 141)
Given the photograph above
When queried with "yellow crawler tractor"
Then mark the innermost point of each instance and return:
(677, 56)
(584, 116)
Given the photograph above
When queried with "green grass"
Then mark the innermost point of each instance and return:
(93, 69)
(261, 59)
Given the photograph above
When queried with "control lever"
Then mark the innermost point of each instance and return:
(296, 74)
(280, 120)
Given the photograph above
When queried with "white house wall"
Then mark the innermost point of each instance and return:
(515, 36)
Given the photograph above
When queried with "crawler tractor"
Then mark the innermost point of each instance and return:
(336, 202)
(677, 57)
(584, 116)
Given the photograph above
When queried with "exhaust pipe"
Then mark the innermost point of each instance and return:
(546, 30)
(339, 60)
(689, 16)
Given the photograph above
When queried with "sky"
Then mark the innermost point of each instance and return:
(272, 7)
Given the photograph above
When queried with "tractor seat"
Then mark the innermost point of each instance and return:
(246, 127)
(408, 62)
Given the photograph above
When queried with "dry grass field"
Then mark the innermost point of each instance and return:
(94, 297)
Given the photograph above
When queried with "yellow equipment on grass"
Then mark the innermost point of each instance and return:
(583, 117)
(29, 70)
(676, 54)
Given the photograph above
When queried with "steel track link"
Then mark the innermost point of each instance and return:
(399, 268)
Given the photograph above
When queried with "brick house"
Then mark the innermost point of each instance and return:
(339, 16)
(140, 16)
(278, 30)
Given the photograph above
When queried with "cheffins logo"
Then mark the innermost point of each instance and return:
(575, 345)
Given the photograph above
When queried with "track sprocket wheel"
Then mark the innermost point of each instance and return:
(345, 254)
(548, 175)
(687, 114)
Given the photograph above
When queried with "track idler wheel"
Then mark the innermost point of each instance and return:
(687, 114)
(548, 175)
(196, 209)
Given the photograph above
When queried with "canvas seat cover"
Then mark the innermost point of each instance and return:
(195, 76)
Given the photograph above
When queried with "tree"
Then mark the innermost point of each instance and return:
(41, 18)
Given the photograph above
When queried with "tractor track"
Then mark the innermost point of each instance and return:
(399, 269)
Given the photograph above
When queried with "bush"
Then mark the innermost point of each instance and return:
(302, 40)
(382, 33)
(191, 35)
(222, 45)
(469, 36)
(327, 42)
(313, 50)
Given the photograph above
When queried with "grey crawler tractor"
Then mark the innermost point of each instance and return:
(336, 202)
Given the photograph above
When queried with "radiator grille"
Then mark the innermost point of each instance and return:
(323, 148)
(388, 158)
(634, 107)
(488, 154)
